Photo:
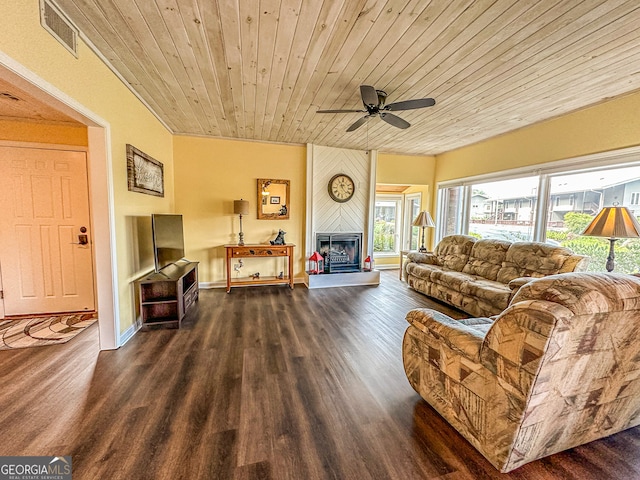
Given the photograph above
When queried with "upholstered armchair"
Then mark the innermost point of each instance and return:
(558, 368)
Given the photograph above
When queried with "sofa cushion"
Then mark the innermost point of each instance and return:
(422, 270)
(453, 251)
(486, 258)
(495, 293)
(532, 259)
(450, 279)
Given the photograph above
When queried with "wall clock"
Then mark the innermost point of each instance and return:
(341, 188)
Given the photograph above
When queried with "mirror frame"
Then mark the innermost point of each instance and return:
(273, 216)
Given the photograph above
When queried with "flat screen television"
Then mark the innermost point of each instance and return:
(168, 239)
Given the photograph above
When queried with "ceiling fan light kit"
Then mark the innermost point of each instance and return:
(374, 103)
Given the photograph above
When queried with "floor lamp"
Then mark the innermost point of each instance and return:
(423, 220)
(614, 223)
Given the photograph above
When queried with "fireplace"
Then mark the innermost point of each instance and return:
(341, 251)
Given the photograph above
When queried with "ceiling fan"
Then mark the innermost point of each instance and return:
(373, 101)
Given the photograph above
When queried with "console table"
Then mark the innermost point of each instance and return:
(259, 251)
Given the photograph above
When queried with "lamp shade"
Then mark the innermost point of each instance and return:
(241, 207)
(614, 222)
(423, 220)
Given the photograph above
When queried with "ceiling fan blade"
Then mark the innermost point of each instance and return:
(341, 111)
(358, 124)
(392, 119)
(411, 104)
(369, 95)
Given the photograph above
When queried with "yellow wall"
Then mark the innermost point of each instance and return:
(19, 131)
(210, 174)
(607, 126)
(88, 81)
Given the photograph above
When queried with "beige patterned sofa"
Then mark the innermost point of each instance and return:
(560, 367)
(481, 276)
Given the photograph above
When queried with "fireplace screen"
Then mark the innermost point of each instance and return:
(341, 251)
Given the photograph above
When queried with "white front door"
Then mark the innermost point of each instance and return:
(45, 237)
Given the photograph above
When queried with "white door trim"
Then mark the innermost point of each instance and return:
(100, 191)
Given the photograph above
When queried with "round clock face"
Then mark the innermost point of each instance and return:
(341, 188)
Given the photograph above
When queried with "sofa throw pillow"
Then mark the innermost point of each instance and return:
(532, 259)
(486, 258)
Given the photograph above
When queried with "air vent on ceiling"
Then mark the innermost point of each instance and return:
(57, 24)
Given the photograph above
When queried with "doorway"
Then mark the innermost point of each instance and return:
(45, 245)
(100, 190)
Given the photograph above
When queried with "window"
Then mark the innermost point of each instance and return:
(410, 235)
(387, 224)
(510, 212)
(591, 191)
(569, 199)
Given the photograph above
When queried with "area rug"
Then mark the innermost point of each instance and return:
(43, 330)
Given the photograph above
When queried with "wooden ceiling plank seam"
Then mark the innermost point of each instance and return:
(249, 36)
(212, 23)
(211, 76)
(114, 16)
(365, 74)
(451, 43)
(339, 36)
(421, 56)
(177, 29)
(268, 29)
(472, 9)
(154, 51)
(495, 54)
(398, 20)
(460, 102)
(312, 57)
(415, 116)
(204, 75)
(308, 18)
(533, 55)
(359, 24)
(515, 21)
(289, 16)
(232, 43)
(93, 29)
(564, 65)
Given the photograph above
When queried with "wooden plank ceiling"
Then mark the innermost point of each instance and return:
(259, 70)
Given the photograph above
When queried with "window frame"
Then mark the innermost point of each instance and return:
(622, 158)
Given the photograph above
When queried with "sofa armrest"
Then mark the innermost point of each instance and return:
(516, 283)
(455, 335)
(418, 257)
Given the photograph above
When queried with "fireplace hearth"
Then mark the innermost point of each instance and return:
(342, 252)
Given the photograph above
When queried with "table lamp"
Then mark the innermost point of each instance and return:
(613, 222)
(241, 207)
(423, 220)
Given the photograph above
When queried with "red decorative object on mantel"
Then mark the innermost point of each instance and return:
(318, 261)
(368, 264)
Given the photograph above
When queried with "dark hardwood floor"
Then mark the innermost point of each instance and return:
(264, 382)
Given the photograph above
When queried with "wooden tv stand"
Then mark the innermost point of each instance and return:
(166, 297)
(259, 251)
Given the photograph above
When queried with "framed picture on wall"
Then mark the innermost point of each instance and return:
(144, 173)
(275, 200)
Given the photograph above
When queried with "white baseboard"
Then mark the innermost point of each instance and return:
(130, 332)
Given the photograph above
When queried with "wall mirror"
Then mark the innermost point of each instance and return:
(273, 199)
